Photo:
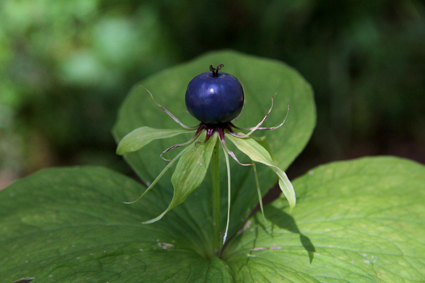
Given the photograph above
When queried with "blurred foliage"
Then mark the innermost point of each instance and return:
(65, 67)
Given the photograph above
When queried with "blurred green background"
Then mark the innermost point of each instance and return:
(66, 66)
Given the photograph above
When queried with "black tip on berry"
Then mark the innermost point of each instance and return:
(215, 70)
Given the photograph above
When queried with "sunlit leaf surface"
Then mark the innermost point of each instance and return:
(356, 221)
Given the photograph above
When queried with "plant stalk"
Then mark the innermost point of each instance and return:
(215, 166)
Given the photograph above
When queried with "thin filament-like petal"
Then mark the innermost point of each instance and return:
(158, 177)
(229, 194)
(232, 154)
(168, 112)
(179, 145)
(257, 126)
(260, 199)
(278, 126)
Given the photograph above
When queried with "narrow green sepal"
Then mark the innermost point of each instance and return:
(190, 171)
(259, 154)
(140, 137)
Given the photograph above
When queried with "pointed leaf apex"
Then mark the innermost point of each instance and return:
(140, 137)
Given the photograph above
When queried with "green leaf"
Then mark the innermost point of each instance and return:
(356, 221)
(140, 137)
(70, 225)
(190, 171)
(259, 154)
(261, 78)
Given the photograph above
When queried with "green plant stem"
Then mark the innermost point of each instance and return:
(215, 166)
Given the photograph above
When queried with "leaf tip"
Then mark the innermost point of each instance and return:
(121, 149)
(153, 220)
(292, 203)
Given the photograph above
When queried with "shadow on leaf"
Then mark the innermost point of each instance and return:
(279, 218)
(285, 221)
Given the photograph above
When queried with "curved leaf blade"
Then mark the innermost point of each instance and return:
(70, 225)
(142, 136)
(356, 221)
(190, 171)
(259, 154)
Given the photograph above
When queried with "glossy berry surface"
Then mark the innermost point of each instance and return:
(214, 97)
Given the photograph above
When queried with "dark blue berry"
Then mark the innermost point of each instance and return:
(214, 98)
